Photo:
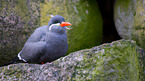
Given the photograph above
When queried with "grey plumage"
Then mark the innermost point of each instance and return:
(44, 44)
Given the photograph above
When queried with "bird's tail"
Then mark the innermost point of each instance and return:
(14, 60)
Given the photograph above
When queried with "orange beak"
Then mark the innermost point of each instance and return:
(65, 24)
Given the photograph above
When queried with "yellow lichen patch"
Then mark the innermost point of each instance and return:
(45, 17)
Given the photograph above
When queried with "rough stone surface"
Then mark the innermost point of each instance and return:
(85, 17)
(18, 19)
(129, 17)
(120, 60)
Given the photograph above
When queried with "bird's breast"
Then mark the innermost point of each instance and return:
(56, 40)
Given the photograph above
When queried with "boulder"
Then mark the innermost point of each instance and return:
(84, 15)
(21, 18)
(129, 18)
(18, 19)
(120, 60)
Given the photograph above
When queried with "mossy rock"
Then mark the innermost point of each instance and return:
(18, 19)
(129, 17)
(84, 16)
(120, 60)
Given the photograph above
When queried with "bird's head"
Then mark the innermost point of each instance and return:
(57, 24)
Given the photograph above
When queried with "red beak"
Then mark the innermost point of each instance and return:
(65, 24)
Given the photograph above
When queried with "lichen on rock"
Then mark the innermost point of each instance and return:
(129, 16)
(85, 17)
(120, 60)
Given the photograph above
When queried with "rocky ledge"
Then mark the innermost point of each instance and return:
(120, 60)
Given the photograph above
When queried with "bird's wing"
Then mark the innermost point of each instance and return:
(38, 34)
(33, 51)
(34, 47)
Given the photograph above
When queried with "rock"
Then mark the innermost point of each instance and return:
(120, 60)
(85, 17)
(18, 19)
(129, 17)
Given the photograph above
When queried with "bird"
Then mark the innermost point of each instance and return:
(46, 44)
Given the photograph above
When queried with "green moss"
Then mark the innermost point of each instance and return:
(121, 60)
(124, 3)
(19, 19)
(22, 9)
(138, 25)
(88, 32)
(117, 61)
(85, 19)
(129, 20)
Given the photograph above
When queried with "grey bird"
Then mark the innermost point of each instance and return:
(46, 44)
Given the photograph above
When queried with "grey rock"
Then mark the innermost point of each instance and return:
(85, 17)
(18, 19)
(120, 60)
(129, 17)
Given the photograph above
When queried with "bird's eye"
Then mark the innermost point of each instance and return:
(56, 21)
